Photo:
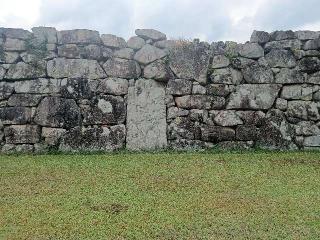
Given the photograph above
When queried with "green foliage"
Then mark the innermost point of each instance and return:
(209, 195)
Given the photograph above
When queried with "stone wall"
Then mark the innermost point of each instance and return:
(77, 90)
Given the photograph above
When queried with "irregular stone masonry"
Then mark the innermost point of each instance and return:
(70, 90)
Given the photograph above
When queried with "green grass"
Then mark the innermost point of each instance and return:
(254, 195)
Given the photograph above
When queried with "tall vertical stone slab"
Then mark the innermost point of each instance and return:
(146, 116)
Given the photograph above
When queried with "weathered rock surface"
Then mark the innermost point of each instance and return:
(280, 58)
(148, 54)
(146, 118)
(252, 96)
(251, 50)
(260, 37)
(41, 86)
(136, 43)
(305, 110)
(45, 34)
(220, 61)
(57, 112)
(80, 36)
(226, 76)
(289, 76)
(158, 70)
(18, 134)
(227, 118)
(122, 68)
(15, 115)
(125, 53)
(113, 86)
(94, 139)
(113, 41)
(150, 34)
(24, 100)
(200, 102)
(255, 73)
(190, 61)
(105, 110)
(217, 134)
(52, 135)
(22, 70)
(74, 68)
(179, 87)
(313, 141)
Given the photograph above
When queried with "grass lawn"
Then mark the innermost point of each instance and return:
(254, 195)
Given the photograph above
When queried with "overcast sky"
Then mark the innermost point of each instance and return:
(209, 20)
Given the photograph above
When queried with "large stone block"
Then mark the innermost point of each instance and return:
(11, 44)
(23, 70)
(74, 68)
(200, 102)
(190, 61)
(255, 73)
(226, 118)
(289, 76)
(41, 86)
(217, 134)
(17, 33)
(251, 50)
(146, 118)
(309, 65)
(80, 36)
(6, 90)
(312, 141)
(254, 96)
(15, 115)
(260, 37)
(150, 34)
(57, 112)
(148, 54)
(24, 100)
(94, 139)
(122, 68)
(113, 41)
(226, 76)
(305, 110)
(136, 43)
(183, 128)
(280, 58)
(113, 86)
(106, 110)
(179, 87)
(158, 70)
(45, 34)
(19, 134)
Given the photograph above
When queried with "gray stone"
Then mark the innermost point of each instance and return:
(306, 128)
(95, 52)
(69, 51)
(19, 134)
(294, 45)
(197, 89)
(165, 44)
(74, 68)
(313, 141)
(255, 73)
(146, 119)
(247, 133)
(251, 50)
(79, 36)
(254, 96)
(190, 61)
(276, 133)
(94, 139)
(2, 72)
(256, 118)
(316, 96)
(220, 61)
(125, 53)
(289, 76)
(148, 54)
(200, 102)
(185, 144)
(297, 92)
(216, 134)
(158, 70)
(280, 58)
(235, 145)
(15, 115)
(312, 44)
(307, 35)
(241, 62)
(24, 100)
(174, 112)
(226, 76)
(45, 34)
(122, 68)
(314, 78)
(17, 33)
(260, 37)
(281, 104)
(113, 86)
(219, 89)
(150, 34)
(183, 128)
(305, 110)
(14, 45)
(113, 41)
(226, 118)
(136, 43)
(52, 135)
(9, 57)
(41, 86)
(309, 65)
(23, 70)
(6, 90)
(282, 35)
(57, 112)
(178, 87)
(105, 110)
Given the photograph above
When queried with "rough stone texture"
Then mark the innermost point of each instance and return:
(136, 43)
(79, 36)
(113, 86)
(190, 61)
(226, 76)
(280, 58)
(252, 96)
(26, 71)
(217, 134)
(113, 41)
(251, 50)
(125, 53)
(41, 85)
(14, 45)
(146, 118)
(122, 68)
(52, 135)
(227, 118)
(313, 141)
(255, 73)
(15, 115)
(58, 112)
(179, 87)
(45, 34)
(18, 134)
(289, 76)
(220, 61)
(150, 34)
(106, 110)
(158, 70)
(74, 68)
(293, 45)
(148, 54)
(260, 37)
(200, 102)
(305, 110)
(24, 100)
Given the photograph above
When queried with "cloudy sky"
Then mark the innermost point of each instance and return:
(209, 20)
